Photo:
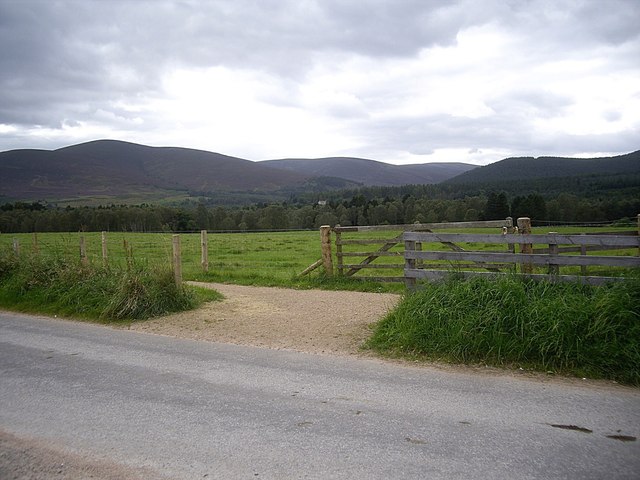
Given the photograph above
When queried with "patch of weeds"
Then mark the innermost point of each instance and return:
(566, 328)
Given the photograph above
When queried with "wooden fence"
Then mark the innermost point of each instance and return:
(526, 262)
(386, 246)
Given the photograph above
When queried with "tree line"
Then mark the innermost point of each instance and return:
(367, 207)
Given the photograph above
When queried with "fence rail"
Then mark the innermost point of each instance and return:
(508, 259)
(387, 244)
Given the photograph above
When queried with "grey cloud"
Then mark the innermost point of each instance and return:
(70, 61)
(575, 23)
(529, 102)
(612, 116)
(421, 136)
(428, 133)
(612, 21)
(56, 53)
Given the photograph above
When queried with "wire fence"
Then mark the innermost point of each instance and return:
(256, 255)
(265, 256)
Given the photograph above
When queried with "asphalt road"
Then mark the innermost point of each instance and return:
(187, 409)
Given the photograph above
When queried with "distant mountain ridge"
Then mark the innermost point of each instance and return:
(113, 170)
(529, 168)
(371, 172)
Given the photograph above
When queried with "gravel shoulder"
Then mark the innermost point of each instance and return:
(313, 321)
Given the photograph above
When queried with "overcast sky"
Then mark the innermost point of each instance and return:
(400, 81)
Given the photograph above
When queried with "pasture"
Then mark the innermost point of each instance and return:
(269, 258)
(248, 258)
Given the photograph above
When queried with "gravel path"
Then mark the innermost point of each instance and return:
(314, 321)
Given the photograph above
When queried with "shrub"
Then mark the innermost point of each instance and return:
(69, 288)
(571, 328)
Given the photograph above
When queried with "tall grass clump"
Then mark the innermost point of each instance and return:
(565, 327)
(63, 287)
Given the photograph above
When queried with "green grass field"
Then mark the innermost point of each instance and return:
(273, 258)
(264, 258)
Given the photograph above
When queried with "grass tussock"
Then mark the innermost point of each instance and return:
(568, 328)
(62, 287)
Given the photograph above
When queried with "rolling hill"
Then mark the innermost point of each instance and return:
(371, 172)
(111, 171)
(529, 168)
(110, 168)
(106, 171)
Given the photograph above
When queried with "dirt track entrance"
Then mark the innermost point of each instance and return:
(315, 321)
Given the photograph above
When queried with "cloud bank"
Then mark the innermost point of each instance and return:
(398, 81)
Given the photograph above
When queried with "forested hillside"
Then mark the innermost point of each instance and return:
(371, 172)
(609, 196)
(110, 171)
(529, 168)
(416, 204)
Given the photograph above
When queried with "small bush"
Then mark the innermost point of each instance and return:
(569, 328)
(148, 293)
(70, 288)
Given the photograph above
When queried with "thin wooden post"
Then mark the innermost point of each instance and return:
(325, 241)
(524, 227)
(36, 247)
(339, 251)
(554, 269)
(511, 247)
(409, 263)
(639, 233)
(128, 253)
(16, 247)
(177, 260)
(83, 251)
(509, 229)
(583, 251)
(204, 247)
(105, 259)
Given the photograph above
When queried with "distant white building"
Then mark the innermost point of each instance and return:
(322, 202)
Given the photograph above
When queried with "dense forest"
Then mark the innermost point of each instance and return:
(590, 199)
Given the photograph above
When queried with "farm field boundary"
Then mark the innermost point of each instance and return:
(466, 263)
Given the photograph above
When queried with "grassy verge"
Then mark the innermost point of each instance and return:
(66, 288)
(566, 328)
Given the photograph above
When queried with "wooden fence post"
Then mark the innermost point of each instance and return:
(409, 263)
(83, 251)
(177, 260)
(639, 233)
(524, 227)
(204, 247)
(583, 251)
(16, 247)
(554, 268)
(36, 247)
(325, 240)
(128, 253)
(105, 260)
(511, 247)
(339, 251)
(509, 226)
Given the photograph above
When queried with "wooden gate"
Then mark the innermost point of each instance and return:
(392, 248)
(541, 263)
